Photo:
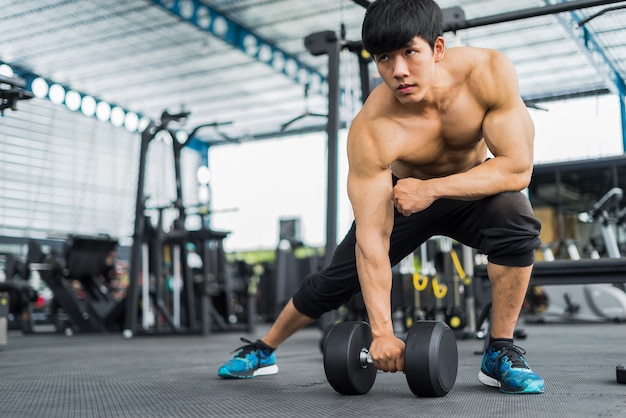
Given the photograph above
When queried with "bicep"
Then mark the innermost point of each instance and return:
(509, 132)
(508, 128)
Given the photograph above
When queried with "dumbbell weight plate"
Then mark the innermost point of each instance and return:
(430, 359)
(345, 369)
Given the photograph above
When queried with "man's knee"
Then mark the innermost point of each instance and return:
(319, 293)
(510, 232)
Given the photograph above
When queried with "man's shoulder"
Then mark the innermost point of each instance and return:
(472, 56)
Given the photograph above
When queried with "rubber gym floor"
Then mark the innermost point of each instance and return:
(104, 375)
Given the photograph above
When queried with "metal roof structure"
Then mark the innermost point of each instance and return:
(242, 64)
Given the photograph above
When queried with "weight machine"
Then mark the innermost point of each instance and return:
(590, 301)
(82, 302)
(188, 302)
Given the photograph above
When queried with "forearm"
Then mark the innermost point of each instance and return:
(374, 271)
(494, 176)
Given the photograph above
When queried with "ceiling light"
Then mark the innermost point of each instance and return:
(203, 174)
(6, 70)
(143, 124)
(250, 44)
(291, 67)
(278, 62)
(103, 111)
(220, 26)
(181, 136)
(131, 122)
(265, 53)
(72, 100)
(186, 8)
(117, 116)
(88, 106)
(203, 17)
(39, 87)
(56, 94)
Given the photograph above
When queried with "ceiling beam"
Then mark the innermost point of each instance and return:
(454, 17)
(223, 27)
(549, 9)
(604, 66)
(76, 101)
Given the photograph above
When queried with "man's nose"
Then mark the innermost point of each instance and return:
(400, 68)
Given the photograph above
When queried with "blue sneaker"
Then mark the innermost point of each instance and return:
(249, 361)
(506, 369)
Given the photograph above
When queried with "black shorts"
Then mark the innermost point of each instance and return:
(502, 226)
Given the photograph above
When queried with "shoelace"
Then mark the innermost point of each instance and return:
(514, 355)
(246, 349)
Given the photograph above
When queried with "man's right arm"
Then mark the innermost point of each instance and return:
(370, 190)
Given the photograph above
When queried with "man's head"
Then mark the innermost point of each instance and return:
(391, 24)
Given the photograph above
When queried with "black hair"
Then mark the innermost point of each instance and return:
(391, 24)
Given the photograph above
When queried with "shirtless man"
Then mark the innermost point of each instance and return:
(419, 166)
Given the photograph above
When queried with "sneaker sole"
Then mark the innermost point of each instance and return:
(494, 383)
(488, 381)
(262, 371)
(266, 371)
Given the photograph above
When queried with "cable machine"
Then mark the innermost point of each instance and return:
(184, 303)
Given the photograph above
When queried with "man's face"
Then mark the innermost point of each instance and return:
(409, 71)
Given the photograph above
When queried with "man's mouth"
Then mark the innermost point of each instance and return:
(405, 88)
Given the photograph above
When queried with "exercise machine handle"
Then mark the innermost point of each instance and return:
(613, 195)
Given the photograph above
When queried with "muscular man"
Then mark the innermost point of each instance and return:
(419, 166)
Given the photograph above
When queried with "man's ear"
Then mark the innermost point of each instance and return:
(439, 48)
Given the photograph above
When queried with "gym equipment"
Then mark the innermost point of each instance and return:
(305, 114)
(432, 363)
(94, 308)
(15, 91)
(196, 296)
(593, 301)
(4, 313)
(19, 292)
(430, 358)
(620, 371)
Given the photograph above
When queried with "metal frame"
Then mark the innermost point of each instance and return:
(221, 26)
(596, 56)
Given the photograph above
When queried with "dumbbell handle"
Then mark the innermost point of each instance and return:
(365, 358)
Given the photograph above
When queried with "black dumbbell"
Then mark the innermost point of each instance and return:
(430, 358)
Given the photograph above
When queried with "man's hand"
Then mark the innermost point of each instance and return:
(387, 354)
(410, 195)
